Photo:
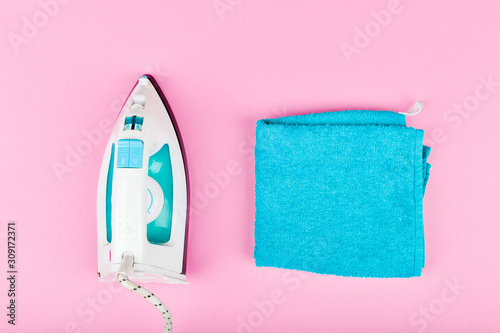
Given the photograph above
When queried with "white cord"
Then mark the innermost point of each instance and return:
(122, 277)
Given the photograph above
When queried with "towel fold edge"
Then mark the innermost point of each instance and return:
(419, 195)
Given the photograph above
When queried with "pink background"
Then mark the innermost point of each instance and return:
(222, 71)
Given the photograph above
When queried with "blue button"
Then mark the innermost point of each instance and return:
(136, 148)
(122, 153)
(128, 123)
(138, 123)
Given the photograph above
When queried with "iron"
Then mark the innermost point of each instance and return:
(142, 198)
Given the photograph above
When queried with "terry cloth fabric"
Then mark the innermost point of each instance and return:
(340, 193)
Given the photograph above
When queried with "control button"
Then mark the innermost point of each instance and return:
(138, 123)
(136, 148)
(128, 123)
(133, 123)
(122, 156)
(129, 153)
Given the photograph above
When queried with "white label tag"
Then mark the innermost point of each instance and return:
(416, 109)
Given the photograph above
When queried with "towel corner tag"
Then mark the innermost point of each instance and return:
(416, 109)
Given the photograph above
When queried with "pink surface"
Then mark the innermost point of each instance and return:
(223, 69)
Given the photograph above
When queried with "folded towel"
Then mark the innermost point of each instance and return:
(340, 193)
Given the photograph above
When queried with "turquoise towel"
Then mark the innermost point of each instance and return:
(340, 193)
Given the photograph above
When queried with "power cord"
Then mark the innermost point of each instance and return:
(122, 277)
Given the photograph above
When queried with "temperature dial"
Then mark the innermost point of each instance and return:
(154, 201)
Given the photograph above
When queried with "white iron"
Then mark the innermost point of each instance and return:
(142, 199)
